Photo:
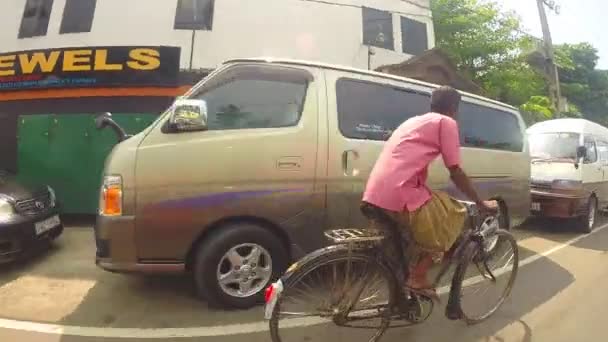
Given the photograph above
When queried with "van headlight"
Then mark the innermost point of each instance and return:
(110, 202)
(6, 209)
(566, 184)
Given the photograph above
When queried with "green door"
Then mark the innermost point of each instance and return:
(67, 152)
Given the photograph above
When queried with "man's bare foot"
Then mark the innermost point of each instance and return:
(422, 287)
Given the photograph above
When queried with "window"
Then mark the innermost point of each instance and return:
(246, 97)
(194, 15)
(35, 21)
(78, 16)
(559, 145)
(490, 128)
(372, 111)
(414, 36)
(377, 28)
(602, 151)
(591, 156)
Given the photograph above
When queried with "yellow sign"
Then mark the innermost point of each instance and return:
(90, 65)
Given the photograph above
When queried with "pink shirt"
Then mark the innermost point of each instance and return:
(398, 180)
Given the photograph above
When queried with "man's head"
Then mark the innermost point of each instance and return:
(445, 100)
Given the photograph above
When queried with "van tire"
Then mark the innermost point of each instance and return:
(584, 223)
(213, 250)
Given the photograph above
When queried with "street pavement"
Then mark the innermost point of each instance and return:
(62, 296)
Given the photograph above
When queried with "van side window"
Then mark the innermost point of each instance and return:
(591, 156)
(254, 96)
(372, 111)
(602, 151)
(487, 127)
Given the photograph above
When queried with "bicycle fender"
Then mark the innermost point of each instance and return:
(311, 256)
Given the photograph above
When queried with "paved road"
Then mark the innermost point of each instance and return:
(555, 299)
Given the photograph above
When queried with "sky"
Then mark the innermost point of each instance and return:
(578, 21)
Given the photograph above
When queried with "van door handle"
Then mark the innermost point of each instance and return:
(289, 163)
(345, 160)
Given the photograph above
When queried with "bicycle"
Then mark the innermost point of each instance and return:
(365, 253)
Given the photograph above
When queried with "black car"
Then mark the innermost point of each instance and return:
(29, 217)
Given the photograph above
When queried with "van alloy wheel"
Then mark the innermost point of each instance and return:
(244, 270)
(234, 264)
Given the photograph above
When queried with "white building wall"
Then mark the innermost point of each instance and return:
(328, 31)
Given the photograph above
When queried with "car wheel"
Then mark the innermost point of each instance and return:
(234, 265)
(587, 222)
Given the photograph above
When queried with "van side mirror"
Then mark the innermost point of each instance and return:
(189, 115)
(105, 120)
(581, 152)
(102, 120)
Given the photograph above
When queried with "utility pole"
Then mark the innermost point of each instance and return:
(550, 66)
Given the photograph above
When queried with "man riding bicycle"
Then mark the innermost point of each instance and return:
(397, 185)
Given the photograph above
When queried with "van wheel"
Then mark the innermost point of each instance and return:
(235, 264)
(587, 222)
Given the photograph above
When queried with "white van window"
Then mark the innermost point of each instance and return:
(490, 128)
(602, 151)
(554, 145)
(372, 111)
(254, 96)
(591, 156)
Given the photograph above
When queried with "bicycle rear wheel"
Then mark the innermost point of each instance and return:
(332, 293)
(484, 278)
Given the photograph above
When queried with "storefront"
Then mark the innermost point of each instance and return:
(48, 101)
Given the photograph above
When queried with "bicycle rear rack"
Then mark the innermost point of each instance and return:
(346, 236)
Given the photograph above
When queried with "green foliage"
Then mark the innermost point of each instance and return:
(537, 108)
(488, 45)
(585, 87)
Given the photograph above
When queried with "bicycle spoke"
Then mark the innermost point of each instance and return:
(350, 291)
(480, 298)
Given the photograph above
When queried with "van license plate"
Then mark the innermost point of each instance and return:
(535, 206)
(47, 224)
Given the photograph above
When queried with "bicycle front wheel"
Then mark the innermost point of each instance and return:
(335, 296)
(484, 278)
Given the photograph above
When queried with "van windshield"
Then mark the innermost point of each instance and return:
(554, 146)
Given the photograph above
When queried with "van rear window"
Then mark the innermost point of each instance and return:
(491, 128)
(371, 111)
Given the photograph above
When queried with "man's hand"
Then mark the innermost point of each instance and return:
(488, 206)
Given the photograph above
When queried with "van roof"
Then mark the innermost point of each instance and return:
(568, 125)
(358, 71)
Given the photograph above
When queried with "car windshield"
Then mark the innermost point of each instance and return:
(554, 145)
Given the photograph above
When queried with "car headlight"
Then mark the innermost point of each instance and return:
(52, 198)
(6, 209)
(566, 184)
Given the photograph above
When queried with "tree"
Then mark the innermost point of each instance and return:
(582, 84)
(538, 108)
(486, 43)
(489, 45)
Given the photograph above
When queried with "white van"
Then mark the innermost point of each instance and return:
(569, 169)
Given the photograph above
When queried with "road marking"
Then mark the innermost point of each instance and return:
(221, 330)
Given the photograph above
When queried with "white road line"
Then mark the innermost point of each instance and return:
(220, 330)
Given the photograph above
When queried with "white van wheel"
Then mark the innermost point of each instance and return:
(235, 264)
(588, 221)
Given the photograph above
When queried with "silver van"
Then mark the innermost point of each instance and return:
(242, 174)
